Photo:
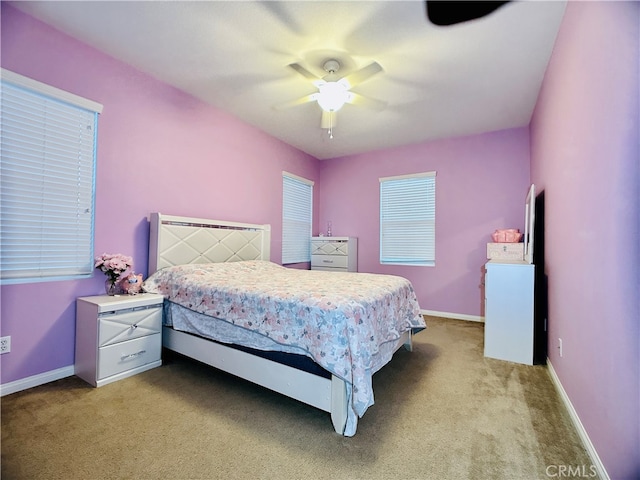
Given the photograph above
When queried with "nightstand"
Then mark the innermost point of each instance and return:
(117, 336)
(334, 254)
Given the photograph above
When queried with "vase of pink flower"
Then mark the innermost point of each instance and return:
(113, 266)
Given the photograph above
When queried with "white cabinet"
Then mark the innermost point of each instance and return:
(337, 254)
(509, 320)
(117, 336)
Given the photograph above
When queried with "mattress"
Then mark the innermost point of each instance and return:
(218, 330)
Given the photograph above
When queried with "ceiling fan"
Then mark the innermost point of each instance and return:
(446, 12)
(334, 91)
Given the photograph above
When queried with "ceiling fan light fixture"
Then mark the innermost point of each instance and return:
(332, 96)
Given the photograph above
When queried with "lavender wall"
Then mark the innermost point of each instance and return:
(158, 150)
(162, 150)
(585, 154)
(481, 185)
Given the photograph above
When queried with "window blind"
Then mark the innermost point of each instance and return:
(297, 211)
(407, 219)
(47, 168)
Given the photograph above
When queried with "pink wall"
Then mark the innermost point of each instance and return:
(481, 185)
(162, 150)
(585, 154)
(158, 150)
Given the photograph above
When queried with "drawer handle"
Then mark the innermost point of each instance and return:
(132, 355)
(327, 261)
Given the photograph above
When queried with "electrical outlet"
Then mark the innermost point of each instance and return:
(5, 344)
(560, 346)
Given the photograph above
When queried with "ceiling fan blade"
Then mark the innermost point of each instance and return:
(362, 101)
(298, 101)
(361, 75)
(303, 71)
(328, 119)
(443, 12)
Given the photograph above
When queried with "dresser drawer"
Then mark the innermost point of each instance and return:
(123, 356)
(329, 248)
(122, 325)
(335, 261)
(329, 269)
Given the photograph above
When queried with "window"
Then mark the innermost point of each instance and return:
(47, 169)
(408, 219)
(297, 211)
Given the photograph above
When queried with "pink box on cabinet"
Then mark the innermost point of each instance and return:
(505, 251)
(508, 235)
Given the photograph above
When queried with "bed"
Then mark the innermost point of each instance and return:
(317, 337)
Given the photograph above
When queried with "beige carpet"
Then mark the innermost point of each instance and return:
(441, 412)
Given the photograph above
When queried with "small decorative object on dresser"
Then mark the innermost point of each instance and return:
(335, 254)
(131, 284)
(117, 336)
(113, 266)
(507, 235)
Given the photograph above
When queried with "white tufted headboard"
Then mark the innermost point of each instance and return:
(183, 240)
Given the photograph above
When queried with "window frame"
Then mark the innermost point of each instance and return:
(396, 248)
(28, 157)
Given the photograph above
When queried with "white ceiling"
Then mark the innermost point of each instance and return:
(438, 82)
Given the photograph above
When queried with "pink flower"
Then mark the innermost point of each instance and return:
(113, 265)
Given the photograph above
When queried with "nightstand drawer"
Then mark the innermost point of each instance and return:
(122, 325)
(125, 356)
(335, 261)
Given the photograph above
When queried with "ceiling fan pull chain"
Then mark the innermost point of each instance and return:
(331, 124)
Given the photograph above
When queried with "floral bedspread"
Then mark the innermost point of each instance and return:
(344, 321)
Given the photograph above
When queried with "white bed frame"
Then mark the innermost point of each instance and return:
(184, 240)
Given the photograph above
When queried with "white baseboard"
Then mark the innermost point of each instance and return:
(36, 380)
(582, 433)
(455, 316)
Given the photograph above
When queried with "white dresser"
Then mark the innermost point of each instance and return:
(509, 311)
(117, 336)
(337, 254)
